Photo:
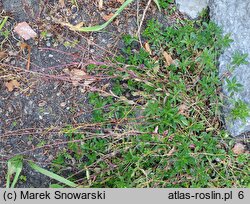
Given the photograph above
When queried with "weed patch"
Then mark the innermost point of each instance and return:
(155, 124)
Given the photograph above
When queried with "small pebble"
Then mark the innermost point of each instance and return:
(31, 91)
(16, 93)
(63, 104)
(13, 53)
(48, 44)
(50, 55)
(49, 35)
(50, 158)
(42, 103)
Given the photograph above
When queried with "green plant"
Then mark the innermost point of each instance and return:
(158, 125)
(5, 33)
(44, 34)
(3, 22)
(239, 58)
(164, 3)
(233, 86)
(23, 178)
(15, 165)
(240, 110)
(52, 175)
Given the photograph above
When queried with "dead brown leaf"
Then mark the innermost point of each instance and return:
(62, 3)
(100, 4)
(2, 55)
(168, 59)
(76, 75)
(11, 85)
(238, 148)
(25, 31)
(79, 25)
(147, 48)
(171, 152)
(24, 46)
(107, 17)
(120, 1)
(88, 82)
(183, 110)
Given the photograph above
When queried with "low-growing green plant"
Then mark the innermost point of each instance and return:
(160, 126)
(165, 3)
(233, 86)
(239, 59)
(241, 110)
(157, 122)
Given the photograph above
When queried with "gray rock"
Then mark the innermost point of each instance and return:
(192, 8)
(234, 18)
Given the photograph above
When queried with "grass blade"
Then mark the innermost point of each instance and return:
(52, 175)
(158, 4)
(3, 22)
(15, 165)
(98, 27)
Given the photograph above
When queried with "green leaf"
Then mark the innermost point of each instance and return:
(52, 175)
(15, 165)
(3, 22)
(55, 186)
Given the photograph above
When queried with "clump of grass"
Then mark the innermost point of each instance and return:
(240, 111)
(158, 125)
(157, 122)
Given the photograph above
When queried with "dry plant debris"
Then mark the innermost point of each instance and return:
(11, 85)
(168, 59)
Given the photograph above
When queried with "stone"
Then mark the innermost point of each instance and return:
(238, 148)
(25, 31)
(234, 18)
(192, 8)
